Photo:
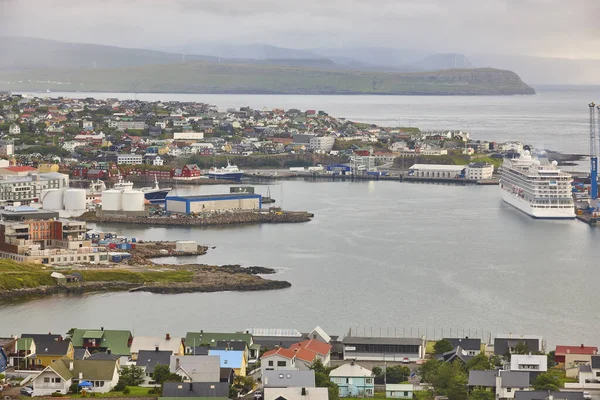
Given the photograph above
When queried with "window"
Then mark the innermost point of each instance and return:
(57, 380)
(369, 392)
(47, 380)
(224, 361)
(270, 363)
(509, 390)
(281, 363)
(405, 394)
(369, 381)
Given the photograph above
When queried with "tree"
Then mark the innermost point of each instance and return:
(162, 374)
(243, 383)
(378, 373)
(442, 346)
(521, 348)
(448, 379)
(547, 381)
(322, 378)
(132, 375)
(397, 374)
(479, 393)
(480, 362)
(551, 359)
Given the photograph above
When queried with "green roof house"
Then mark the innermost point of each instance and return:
(113, 341)
(200, 339)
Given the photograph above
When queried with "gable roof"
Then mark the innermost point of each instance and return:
(202, 368)
(288, 378)
(195, 389)
(280, 351)
(102, 355)
(151, 342)
(81, 354)
(97, 370)
(465, 343)
(350, 370)
(150, 359)
(227, 345)
(61, 368)
(485, 378)
(564, 350)
(117, 341)
(228, 358)
(320, 332)
(456, 353)
(297, 393)
(48, 344)
(210, 339)
(515, 379)
(313, 345)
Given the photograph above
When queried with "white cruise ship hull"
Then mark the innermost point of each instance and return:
(541, 213)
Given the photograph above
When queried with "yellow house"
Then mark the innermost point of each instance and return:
(43, 168)
(49, 348)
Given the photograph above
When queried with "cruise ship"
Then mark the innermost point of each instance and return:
(230, 172)
(537, 187)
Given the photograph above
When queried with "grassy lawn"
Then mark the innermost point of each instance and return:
(429, 348)
(134, 391)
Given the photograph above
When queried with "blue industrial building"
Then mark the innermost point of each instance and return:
(213, 202)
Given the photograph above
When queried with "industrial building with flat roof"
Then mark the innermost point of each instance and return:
(213, 203)
(437, 171)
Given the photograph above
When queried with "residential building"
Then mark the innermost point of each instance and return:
(48, 242)
(319, 334)
(50, 348)
(480, 171)
(17, 171)
(270, 338)
(229, 358)
(289, 378)
(7, 148)
(383, 349)
(310, 350)
(188, 171)
(576, 355)
(456, 354)
(504, 344)
(118, 342)
(399, 391)
(29, 188)
(199, 390)
(139, 343)
(188, 135)
(62, 373)
(529, 362)
(149, 359)
(130, 125)
(296, 393)
(14, 129)
(130, 159)
(353, 380)
(196, 368)
(470, 345)
(321, 143)
(22, 358)
(547, 395)
(278, 359)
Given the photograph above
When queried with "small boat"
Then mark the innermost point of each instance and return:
(230, 173)
(268, 199)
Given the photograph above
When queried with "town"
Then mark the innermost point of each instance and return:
(272, 364)
(91, 139)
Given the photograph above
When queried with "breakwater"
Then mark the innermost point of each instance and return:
(209, 219)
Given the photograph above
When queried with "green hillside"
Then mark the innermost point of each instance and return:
(209, 77)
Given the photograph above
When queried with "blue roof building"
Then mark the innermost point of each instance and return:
(233, 359)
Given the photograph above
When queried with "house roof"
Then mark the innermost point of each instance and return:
(288, 378)
(320, 332)
(543, 395)
(515, 379)
(24, 343)
(350, 370)
(381, 340)
(202, 368)
(564, 350)
(100, 370)
(485, 378)
(314, 346)
(465, 343)
(296, 393)
(61, 367)
(151, 342)
(227, 345)
(211, 339)
(19, 169)
(114, 340)
(228, 358)
(80, 354)
(48, 344)
(304, 354)
(456, 353)
(195, 389)
(280, 351)
(275, 332)
(151, 358)
(101, 355)
(399, 387)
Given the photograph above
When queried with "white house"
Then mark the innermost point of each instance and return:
(158, 161)
(399, 391)
(62, 373)
(278, 359)
(14, 129)
(296, 393)
(174, 345)
(529, 362)
(188, 135)
(130, 159)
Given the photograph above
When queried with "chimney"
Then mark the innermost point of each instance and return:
(582, 345)
(70, 365)
(351, 362)
(303, 391)
(201, 331)
(108, 351)
(168, 336)
(102, 328)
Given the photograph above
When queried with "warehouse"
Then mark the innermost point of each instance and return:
(437, 171)
(213, 203)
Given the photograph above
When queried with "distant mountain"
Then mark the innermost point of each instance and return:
(243, 51)
(544, 70)
(436, 62)
(374, 56)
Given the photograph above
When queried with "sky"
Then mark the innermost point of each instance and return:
(556, 28)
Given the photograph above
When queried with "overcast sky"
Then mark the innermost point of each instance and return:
(561, 28)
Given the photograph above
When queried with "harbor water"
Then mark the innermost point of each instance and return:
(378, 257)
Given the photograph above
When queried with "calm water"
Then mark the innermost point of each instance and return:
(378, 255)
(556, 118)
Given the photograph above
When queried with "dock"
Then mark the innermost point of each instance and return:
(351, 178)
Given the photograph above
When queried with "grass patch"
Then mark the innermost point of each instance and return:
(14, 275)
(118, 275)
(429, 349)
(134, 391)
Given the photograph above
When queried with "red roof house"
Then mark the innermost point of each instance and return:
(562, 351)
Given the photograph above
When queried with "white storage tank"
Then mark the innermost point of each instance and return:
(74, 199)
(111, 200)
(133, 200)
(52, 199)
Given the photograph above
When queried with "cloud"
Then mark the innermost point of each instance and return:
(536, 27)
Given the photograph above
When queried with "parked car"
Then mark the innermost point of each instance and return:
(26, 391)
(405, 360)
(587, 396)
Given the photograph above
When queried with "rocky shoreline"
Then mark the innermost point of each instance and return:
(207, 220)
